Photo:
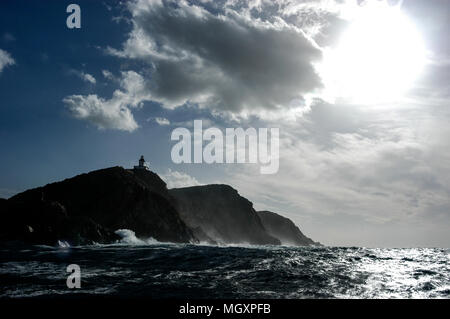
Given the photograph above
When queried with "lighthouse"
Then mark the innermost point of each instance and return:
(142, 164)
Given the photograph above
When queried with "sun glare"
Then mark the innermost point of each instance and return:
(377, 58)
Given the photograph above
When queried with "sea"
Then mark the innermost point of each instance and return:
(147, 268)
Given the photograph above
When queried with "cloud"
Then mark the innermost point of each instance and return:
(84, 76)
(175, 179)
(381, 170)
(88, 78)
(160, 120)
(113, 113)
(5, 60)
(108, 75)
(227, 61)
(235, 59)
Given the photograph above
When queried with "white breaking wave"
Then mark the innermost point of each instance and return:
(129, 238)
(63, 244)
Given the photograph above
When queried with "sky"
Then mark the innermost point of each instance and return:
(358, 89)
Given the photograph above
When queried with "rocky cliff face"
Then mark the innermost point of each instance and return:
(221, 214)
(90, 207)
(47, 222)
(284, 229)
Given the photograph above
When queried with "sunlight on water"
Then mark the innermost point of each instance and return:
(180, 270)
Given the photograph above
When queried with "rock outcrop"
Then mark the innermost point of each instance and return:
(284, 229)
(90, 207)
(222, 215)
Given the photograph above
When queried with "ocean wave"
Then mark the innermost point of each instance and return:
(137, 267)
(63, 244)
(128, 237)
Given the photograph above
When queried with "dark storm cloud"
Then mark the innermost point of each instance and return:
(228, 62)
(234, 58)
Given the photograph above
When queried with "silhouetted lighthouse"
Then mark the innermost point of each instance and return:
(142, 164)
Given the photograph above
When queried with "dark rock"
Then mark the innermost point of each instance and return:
(284, 229)
(222, 214)
(202, 236)
(46, 222)
(90, 207)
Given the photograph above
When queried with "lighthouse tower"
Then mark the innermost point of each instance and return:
(142, 164)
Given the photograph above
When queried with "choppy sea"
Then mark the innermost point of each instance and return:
(135, 268)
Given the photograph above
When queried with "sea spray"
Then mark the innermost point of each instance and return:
(129, 237)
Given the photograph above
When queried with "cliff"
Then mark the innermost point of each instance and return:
(90, 207)
(220, 213)
(284, 229)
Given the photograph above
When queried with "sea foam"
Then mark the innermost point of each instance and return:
(128, 237)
